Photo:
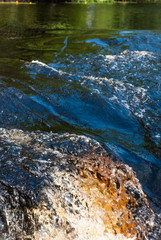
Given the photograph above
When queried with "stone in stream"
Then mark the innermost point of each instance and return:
(65, 186)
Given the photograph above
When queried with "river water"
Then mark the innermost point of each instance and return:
(93, 70)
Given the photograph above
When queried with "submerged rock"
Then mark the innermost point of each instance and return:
(64, 186)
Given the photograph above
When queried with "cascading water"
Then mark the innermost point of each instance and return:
(63, 83)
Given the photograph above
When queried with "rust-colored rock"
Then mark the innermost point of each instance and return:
(66, 187)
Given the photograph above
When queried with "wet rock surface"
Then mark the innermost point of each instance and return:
(64, 186)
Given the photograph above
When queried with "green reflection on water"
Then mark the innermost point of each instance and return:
(64, 16)
(37, 31)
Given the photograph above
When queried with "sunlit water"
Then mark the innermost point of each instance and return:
(93, 70)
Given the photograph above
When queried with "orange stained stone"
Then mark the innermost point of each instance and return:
(107, 194)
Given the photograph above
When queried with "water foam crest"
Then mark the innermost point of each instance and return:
(129, 79)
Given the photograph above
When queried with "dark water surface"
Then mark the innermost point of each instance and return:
(88, 69)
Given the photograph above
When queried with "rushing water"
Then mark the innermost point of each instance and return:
(87, 69)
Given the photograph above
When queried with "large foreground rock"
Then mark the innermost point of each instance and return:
(66, 187)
